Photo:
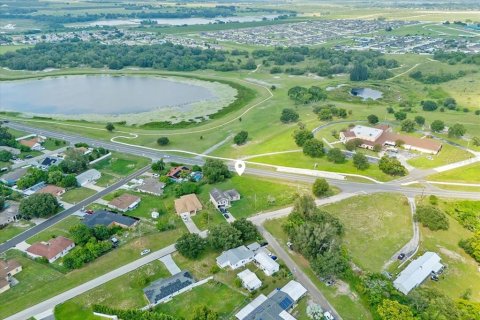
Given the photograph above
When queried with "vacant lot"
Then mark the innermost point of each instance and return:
(448, 154)
(121, 164)
(467, 174)
(78, 194)
(72, 311)
(59, 229)
(13, 229)
(376, 226)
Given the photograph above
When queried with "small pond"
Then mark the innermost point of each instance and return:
(366, 93)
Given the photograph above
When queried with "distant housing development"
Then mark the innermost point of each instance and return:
(382, 135)
(417, 271)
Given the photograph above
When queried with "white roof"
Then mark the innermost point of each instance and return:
(294, 289)
(250, 279)
(266, 262)
(242, 314)
(88, 175)
(366, 133)
(286, 316)
(417, 271)
(235, 255)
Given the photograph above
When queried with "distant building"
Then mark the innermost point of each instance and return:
(249, 280)
(165, 289)
(235, 258)
(382, 135)
(417, 271)
(34, 189)
(8, 268)
(52, 250)
(89, 176)
(49, 161)
(11, 178)
(275, 306)
(266, 263)
(125, 202)
(188, 205)
(53, 190)
(33, 143)
(223, 198)
(109, 219)
(152, 186)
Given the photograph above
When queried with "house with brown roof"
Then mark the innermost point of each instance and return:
(33, 143)
(53, 190)
(8, 268)
(52, 250)
(176, 172)
(188, 205)
(125, 202)
(382, 135)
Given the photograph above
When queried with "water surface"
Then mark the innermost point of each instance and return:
(366, 93)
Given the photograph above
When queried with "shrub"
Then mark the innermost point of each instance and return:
(313, 148)
(320, 187)
(289, 115)
(163, 141)
(432, 218)
(391, 166)
(241, 137)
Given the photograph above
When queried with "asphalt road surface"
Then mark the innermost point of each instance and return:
(62, 215)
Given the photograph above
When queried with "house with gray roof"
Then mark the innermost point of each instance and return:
(11, 178)
(109, 219)
(167, 288)
(9, 213)
(223, 198)
(151, 185)
(235, 258)
(88, 176)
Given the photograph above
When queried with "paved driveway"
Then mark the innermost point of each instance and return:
(170, 264)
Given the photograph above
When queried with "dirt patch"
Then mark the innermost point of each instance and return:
(451, 254)
(344, 289)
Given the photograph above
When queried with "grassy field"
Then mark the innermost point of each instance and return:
(467, 174)
(53, 144)
(78, 194)
(376, 226)
(448, 154)
(106, 180)
(342, 298)
(72, 311)
(12, 230)
(121, 164)
(59, 229)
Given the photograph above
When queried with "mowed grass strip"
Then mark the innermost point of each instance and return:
(121, 164)
(448, 154)
(376, 226)
(467, 174)
(76, 195)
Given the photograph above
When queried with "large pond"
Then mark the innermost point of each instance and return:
(366, 93)
(170, 98)
(179, 21)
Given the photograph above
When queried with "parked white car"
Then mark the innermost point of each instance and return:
(144, 252)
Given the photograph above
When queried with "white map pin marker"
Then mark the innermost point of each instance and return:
(240, 167)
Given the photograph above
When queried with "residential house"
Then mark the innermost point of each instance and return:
(249, 280)
(176, 173)
(165, 289)
(223, 198)
(11, 178)
(235, 258)
(33, 189)
(53, 190)
(188, 205)
(382, 135)
(49, 161)
(8, 268)
(9, 213)
(52, 250)
(13, 151)
(109, 219)
(275, 306)
(417, 271)
(266, 263)
(125, 202)
(89, 176)
(151, 185)
(34, 143)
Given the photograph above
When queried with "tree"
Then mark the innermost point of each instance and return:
(432, 218)
(472, 246)
(215, 171)
(163, 141)
(224, 237)
(457, 130)
(5, 156)
(359, 72)
(74, 162)
(429, 105)
(305, 206)
(313, 148)
(38, 205)
(325, 114)
(247, 229)
(437, 126)
(110, 127)
(372, 119)
(352, 144)
(301, 136)
(420, 120)
(204, 313)
(158, 166)
(191, 245)
(101, 232)
(241, 137)
(391, 166)
(360, 161)
(400, 115)
(185, 188)
(68, 181)
(289, 115)
(393, 310)
(450, 103)
(476, 141)
(407, 125)
(336, 155)
(331, 263)
(2, 203)
(54, 177)
(320, 187)
(377, 147)
(80, 234)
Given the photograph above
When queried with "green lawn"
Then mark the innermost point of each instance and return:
(78, 194)
(53, 144)
(448, 154)
(13, 229)
(124, 292)
(121, 164)
(72, 311)
(467, 174)
(59, 229)
(106, 180)
(376, 226)
(344, 301)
